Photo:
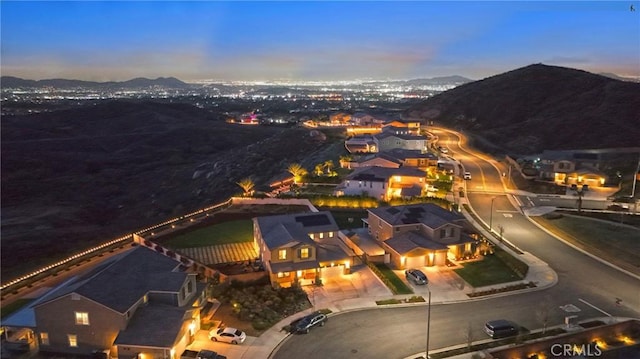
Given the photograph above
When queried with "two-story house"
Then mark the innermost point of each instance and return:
(583, 166)
(383, 183)
(300, 248)
(420, 235)
(135, 304)
(361, 144)
(396, 158)
(386, 141)
(402, 128)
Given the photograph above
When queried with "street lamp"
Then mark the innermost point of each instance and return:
(491, 215)
(426, 355)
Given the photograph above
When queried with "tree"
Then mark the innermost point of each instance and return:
(247, 186)
(543, 313)
(328, 165)
(345, 161)
(297, 171)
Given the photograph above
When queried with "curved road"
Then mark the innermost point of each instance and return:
(583, 282)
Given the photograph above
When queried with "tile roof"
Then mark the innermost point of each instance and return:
(153, 325)
(293, 229)
(124, 279)
(410, 241)
(384, 135)
(428, 214)
(381, 174)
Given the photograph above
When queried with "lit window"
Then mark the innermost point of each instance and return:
(44, 338)
(282, 254)
(311, 235)
(304, 253)
(73, 340)
(321, 235)
(82, 318)
(330, 234)
(283, 274)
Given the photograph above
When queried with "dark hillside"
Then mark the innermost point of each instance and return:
(541, 107)
(80, 176)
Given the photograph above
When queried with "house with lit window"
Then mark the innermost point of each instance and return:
(421, 235)
(300, 248)
(361, 144)
(383, 183)
(138, 304)
(402, 128)
(395, 158)
(572, 167)
(386, 141)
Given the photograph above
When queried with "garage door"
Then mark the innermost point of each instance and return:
(330, 272)
(415, 262)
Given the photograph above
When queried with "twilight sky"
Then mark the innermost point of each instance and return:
(301, 40)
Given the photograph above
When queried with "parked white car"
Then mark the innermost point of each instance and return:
(467, 175)
(228, 335)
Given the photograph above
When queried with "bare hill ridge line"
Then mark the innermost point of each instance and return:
(540, 107)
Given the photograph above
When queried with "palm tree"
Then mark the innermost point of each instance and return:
(328, 165)
(345, 161)
(319, 169)
(297, 171)
(247, 186)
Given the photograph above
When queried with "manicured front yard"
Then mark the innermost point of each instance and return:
(488, 271)
(388, 276)
(221, 233)
(256, 306)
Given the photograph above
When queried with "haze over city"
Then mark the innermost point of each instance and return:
(263, 41)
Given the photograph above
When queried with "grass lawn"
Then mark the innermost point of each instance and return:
(342, 218)
(13, 307)
(490, 270)
(221, 233)
(610, 241)
(393, 278)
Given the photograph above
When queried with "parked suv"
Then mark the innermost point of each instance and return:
(416, 276)
(500, 328)
(306, 323)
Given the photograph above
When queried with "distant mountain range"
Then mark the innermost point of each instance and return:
(443, 80)
(541, 107)
(140, 82)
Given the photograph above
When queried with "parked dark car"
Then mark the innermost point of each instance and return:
(416, 276)
(306, 323)
(500, 328)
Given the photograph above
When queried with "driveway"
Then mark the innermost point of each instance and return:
(202, 341)
(444, 283)
(347, 289)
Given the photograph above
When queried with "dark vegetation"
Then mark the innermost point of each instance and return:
(76, 177)
(540, 107)
(258, 303)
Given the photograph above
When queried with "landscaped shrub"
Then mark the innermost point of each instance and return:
(259, 303)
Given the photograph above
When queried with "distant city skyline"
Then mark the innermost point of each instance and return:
(313, 41)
